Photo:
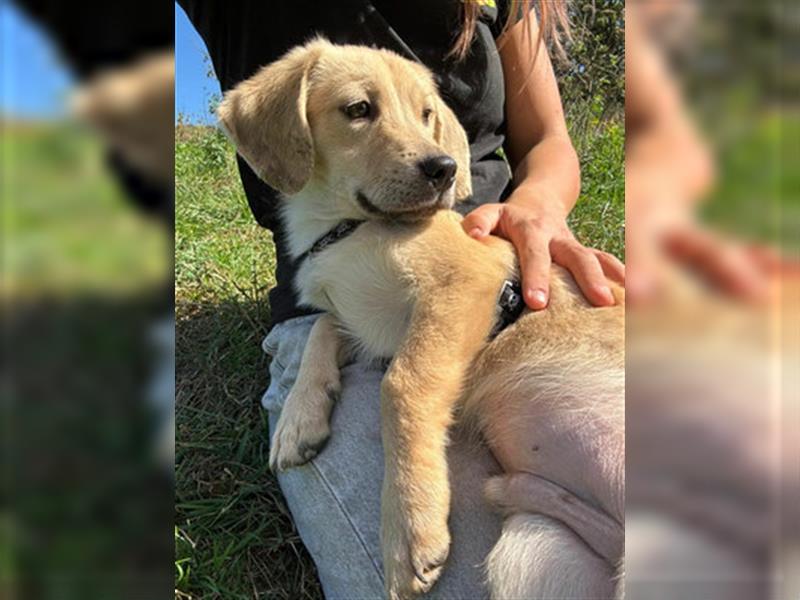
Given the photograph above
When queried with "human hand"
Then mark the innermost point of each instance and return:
(664, 233)
(742, 271)
(542, 237)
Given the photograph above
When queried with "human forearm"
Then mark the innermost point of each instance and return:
(547, 178)
(546, 181)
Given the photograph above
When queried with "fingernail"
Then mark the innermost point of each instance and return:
(537, 298)
(476, 232)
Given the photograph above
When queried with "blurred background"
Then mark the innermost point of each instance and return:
(712, 286)
(87, 375)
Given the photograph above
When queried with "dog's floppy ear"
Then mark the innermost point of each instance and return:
(265, 117)
(451, 136)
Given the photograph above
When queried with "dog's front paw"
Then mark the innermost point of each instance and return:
(416, 543)
(302, 429)
(413, 561)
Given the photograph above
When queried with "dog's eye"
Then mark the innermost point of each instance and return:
(357, 110)
(426, 115)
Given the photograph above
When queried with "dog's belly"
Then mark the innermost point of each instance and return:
(548, 395)
(566, 440)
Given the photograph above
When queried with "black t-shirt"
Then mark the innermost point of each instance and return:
(242, 36)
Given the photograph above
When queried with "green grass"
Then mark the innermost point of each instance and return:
(68, 226)
(757, 194)
(234, 537)
(84, 274)
(598, 218)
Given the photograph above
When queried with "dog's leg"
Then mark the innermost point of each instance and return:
(418, 394)
(524, 492)
(538, 557)
(304, 424)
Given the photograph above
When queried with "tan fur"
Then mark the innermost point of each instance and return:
(132, 108)
(303, 426)
(410, 285)
(601, 532)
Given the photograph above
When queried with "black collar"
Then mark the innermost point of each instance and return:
(339, 232)
(510, 305)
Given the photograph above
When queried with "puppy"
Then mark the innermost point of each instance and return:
(370, 161)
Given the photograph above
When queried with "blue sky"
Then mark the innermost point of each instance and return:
(34, 82)
(193, 88)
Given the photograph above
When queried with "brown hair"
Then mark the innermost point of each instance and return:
(553, 24)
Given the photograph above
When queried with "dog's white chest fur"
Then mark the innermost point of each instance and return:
(360, 281)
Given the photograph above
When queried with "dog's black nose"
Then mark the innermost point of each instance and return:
(439, 170)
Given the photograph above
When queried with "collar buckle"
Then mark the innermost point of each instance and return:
(510, 304)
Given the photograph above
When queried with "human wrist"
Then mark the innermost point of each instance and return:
(540, 199)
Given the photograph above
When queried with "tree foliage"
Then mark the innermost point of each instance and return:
(593, 74)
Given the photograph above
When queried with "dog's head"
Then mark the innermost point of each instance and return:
(366, 125)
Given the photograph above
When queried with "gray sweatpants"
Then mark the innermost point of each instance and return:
(335, 499)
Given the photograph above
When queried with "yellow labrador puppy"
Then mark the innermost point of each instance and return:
(370, 161)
